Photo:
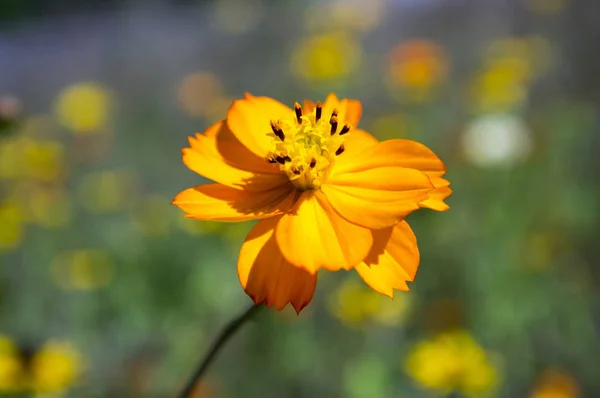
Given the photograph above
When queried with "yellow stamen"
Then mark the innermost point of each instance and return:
(306, 145)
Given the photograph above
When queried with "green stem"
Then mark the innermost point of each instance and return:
(216, 346)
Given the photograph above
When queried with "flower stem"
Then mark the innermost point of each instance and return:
(216, 346)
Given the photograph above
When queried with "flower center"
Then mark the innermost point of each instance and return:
(306, 146)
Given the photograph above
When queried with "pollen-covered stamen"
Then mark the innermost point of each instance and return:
(305, 146)
(298, 110)
(345, 129)
(277, 130)
(334, 123)
(318, 111)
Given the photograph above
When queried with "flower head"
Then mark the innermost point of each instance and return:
(452, 362)
(328, 195)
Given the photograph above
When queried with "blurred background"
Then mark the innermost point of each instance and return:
(106, 291)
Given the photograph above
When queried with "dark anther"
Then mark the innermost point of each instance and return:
(296, 171)
(345, 129)
(334, 112)
(313, 163)
(340, 150)
(298, 110)
(280, 159)
(272, 160)
(276, 127)
(287, 158)
(319, 111)
(334, 123)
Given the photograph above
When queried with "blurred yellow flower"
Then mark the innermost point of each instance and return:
(416, 66)
(502, 85)
(55, 367)
(12, 230)
(555, 384)
(28, 158)
(328, 56)
(452, 362)
(354, 303)
(83, 107)
(510, 66)
(107, 191)
(43, 160)
(85, 269)
(10, 366)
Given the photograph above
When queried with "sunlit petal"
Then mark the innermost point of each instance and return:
(267, 276)
(313, 235)
(392, 261)
(221, 203)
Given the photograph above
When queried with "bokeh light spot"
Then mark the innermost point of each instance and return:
(83, 107)
(55, 367)
(497, 140)
(328, 56)
(555, 383)
(417, 66)
(452, 362)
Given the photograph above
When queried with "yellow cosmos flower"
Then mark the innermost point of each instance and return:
(327, 194)
(452, 362)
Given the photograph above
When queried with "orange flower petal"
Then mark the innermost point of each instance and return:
(249, 119)
(349, 110)
(204, 158)
(221, 203)
(371, 191)
(435, 200)
(417, 156)
(404, 153)
(236, 154)
(308, 106)
(267, 276)
(393, 260)
(313, 235)
(399, 153)
(357, 141)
